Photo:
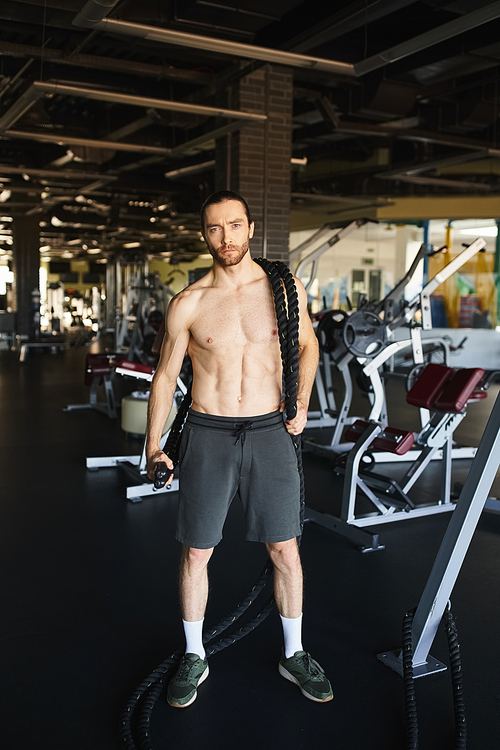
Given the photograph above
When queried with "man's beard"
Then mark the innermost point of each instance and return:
(239, 252)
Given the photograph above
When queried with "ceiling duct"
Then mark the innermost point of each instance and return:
(477, 114)
(385, 98)
(93, 15)
(470, 114)
(428, 39)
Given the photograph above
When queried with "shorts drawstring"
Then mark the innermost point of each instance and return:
(241, 432)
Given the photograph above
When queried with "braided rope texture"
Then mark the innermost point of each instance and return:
(136, 716)
(456, 679)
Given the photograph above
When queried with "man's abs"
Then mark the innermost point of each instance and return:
(242, 385)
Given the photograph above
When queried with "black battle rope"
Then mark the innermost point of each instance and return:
(456, 679)
(147, 693)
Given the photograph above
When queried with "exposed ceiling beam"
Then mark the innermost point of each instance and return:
(98, 62)
(424, 136)
(93, 11)
(438, 181)
(195, 143)
(440, 163)
(353, 16)
(56, 173)
(428, 39)
(39, 89)
(132, 127)
(69, 140)
(193, 169)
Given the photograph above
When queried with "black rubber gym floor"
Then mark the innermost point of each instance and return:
(89, 599)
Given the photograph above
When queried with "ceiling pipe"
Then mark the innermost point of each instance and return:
(93, 15)
(68, 140)
(98, 62)
(428, 39)
(20, 106)
(56, 173)
(38, 89)
(424, 136)
(193, 169)
(142, 101)
(94, 12)
(438, 181)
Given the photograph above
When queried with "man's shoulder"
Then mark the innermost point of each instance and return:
(188, 299)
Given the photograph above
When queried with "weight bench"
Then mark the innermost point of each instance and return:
(54, 343)
(99, 370)
(445, 392)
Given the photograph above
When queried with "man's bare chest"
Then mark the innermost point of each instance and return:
(224, 321)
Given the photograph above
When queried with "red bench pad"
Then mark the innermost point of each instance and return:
(446, 390)
(100, 365)
(390, 439)
(458, 390)
(429, 385)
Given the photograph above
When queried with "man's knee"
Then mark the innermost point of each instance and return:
(195, 558)
(284, 554)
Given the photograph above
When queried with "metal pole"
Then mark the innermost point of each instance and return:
(426, 260)
(496, 272)
(452, 552)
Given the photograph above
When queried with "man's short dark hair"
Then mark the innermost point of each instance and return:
(220, 197)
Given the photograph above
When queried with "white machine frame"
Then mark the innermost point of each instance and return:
(136, 465)
(449, 559)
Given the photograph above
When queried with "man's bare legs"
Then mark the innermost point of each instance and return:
(295, 664)
(287, 577)
(288, 591)
(194, 582)
(287, 583)
(194, 594)
(193, 669)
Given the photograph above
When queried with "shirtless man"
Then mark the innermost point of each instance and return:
(235, 437)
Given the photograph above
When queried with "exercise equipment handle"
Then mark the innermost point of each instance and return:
(163, 475)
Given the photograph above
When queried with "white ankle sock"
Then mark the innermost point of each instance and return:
(292, 631)
(194, 640)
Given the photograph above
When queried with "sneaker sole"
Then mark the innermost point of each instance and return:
(185, 705)
(289, 676)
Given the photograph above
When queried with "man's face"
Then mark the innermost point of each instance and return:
(227, 232)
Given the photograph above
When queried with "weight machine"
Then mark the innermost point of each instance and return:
(445, 392)
(146, 293)
(365, 335)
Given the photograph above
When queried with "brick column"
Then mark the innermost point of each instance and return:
(256, 160)
(26, 267)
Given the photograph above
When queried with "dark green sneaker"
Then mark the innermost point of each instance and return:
(308, 675)
(182, 688)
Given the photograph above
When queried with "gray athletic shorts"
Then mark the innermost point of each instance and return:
(251, 456)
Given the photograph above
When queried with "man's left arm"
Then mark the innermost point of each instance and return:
(308, 363)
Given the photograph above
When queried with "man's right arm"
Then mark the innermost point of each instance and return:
(164, 383)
